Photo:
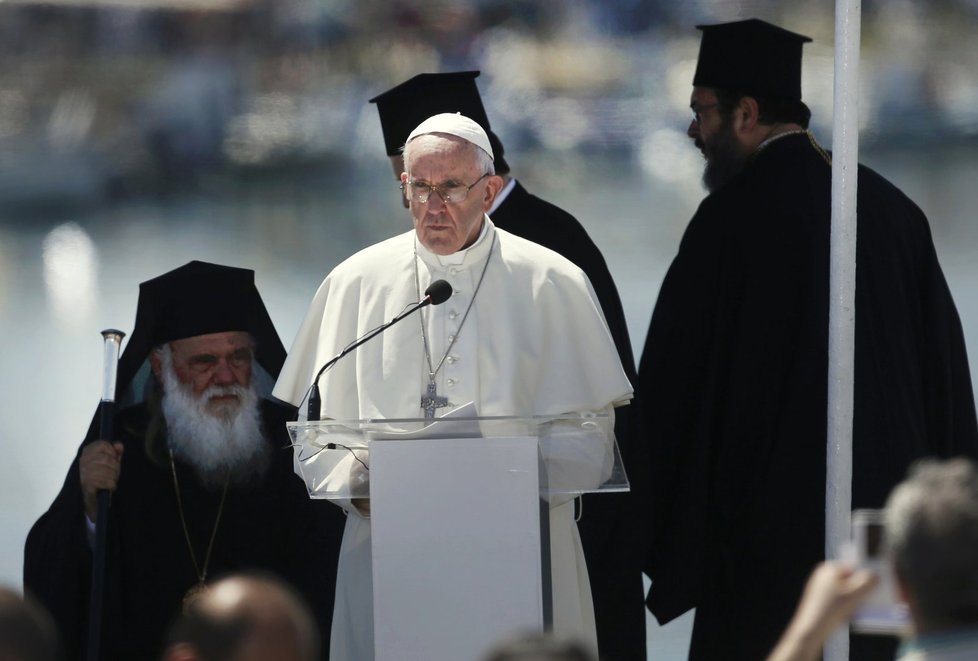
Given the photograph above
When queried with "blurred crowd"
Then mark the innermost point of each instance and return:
(110, 99)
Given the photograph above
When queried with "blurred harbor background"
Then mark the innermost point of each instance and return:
(137, 135)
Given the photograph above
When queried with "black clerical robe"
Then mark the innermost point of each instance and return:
(734, 389)
(611, 525)
(269, 526)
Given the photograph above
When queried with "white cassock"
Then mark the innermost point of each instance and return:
(535, 342)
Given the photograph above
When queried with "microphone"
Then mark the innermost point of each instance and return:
(437, 293)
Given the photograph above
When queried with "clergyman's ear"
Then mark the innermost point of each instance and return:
(748, 112)
(155, 363)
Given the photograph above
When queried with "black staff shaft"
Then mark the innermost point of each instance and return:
(113, 339)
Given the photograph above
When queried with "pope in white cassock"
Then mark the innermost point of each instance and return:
(522, 334)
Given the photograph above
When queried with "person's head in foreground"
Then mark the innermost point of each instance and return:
(932, 537)
(540, 647)
(27, 632)
(931, 523)
(245, 618)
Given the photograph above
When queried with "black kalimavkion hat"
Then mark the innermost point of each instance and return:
(405, 106)
(197, 299)
(751, 56)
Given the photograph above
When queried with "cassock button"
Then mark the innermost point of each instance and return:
(451, 359)
(451, 338)
(453, 270)
(451, 382)
(452, 314)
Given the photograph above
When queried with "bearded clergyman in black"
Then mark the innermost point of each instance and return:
(200, 474)
(733, 378)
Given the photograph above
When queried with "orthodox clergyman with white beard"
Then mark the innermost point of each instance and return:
(200, 483)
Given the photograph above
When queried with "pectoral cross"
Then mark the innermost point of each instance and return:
(431, 401)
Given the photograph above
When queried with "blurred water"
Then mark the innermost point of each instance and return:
(63, 279)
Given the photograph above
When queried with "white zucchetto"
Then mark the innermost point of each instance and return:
(455, 124)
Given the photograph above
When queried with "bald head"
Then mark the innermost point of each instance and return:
(27, 632)
(245, 618)
(540, 647)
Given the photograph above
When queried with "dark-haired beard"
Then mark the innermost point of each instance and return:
(725, 158)
(227, 445)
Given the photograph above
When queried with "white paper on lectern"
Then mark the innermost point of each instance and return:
(458, 423)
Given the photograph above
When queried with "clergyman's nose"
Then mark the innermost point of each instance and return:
(223, 374)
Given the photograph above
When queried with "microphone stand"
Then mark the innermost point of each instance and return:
(314, 403)
(113, 340)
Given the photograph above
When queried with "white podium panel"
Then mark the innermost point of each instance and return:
(460, 550)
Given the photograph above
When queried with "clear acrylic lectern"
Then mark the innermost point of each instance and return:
(459, 518)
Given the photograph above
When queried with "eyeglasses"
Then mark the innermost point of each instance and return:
(450, 193)
(698, 110)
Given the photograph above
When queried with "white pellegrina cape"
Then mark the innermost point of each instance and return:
(535, 342)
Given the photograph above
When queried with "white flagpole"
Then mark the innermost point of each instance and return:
(842, 292)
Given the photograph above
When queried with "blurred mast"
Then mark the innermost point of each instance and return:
(842, 292)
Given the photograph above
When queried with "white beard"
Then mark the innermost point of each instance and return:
(229, 444)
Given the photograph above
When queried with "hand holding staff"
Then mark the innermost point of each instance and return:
(99, 466)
